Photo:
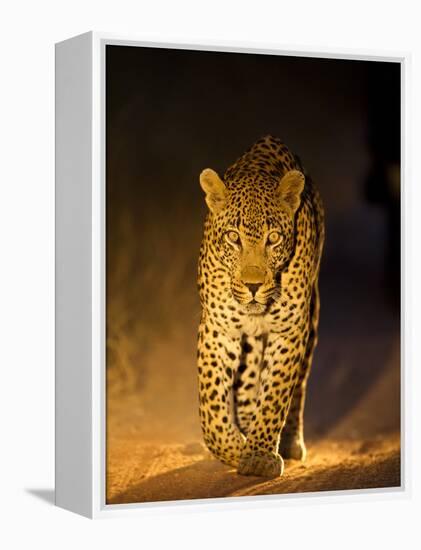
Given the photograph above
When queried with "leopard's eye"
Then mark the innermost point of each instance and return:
(232, 237)
(274, 237)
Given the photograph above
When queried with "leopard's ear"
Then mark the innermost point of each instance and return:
(290, 188)
(214, 187)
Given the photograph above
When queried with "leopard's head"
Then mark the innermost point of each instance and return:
(251, 224)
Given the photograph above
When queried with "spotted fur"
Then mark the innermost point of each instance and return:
(258, 284)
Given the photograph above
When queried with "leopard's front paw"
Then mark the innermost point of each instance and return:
(293, 448)
(261, 463)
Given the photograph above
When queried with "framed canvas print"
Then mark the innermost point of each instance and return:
(228, 275)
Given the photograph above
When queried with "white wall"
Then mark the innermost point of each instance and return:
(28, 32)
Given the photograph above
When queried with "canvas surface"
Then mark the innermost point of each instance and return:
(170, 114)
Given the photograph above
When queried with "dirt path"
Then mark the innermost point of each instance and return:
(148, 473)
(141, 467)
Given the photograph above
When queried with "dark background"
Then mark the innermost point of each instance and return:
(172, 113)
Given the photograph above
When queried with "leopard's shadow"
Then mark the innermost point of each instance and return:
(207, 478)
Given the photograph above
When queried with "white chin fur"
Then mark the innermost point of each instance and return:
(255, 308)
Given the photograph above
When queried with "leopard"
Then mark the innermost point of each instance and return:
(258, 284)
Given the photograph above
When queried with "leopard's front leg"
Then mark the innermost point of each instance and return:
(292, 441)
(282, 358)
(218, 357)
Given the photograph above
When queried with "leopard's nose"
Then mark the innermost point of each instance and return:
(252, 277)
(253, 287)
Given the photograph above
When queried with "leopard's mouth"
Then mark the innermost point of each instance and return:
(257, 308)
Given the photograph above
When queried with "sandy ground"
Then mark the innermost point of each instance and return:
(159, 472)
(360, 450)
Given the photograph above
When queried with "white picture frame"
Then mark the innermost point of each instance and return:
(80, 280)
